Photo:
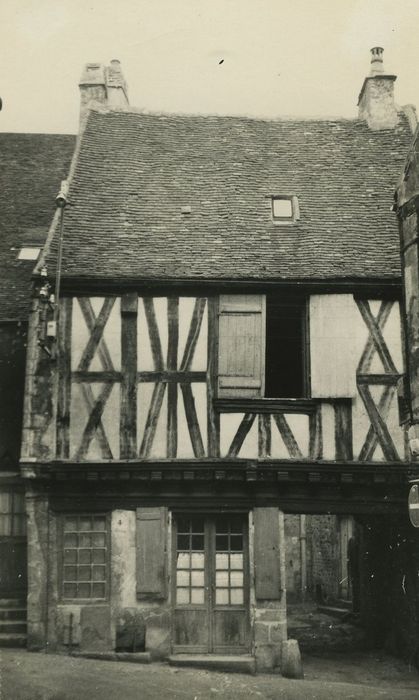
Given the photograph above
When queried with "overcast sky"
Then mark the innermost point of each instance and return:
(279, 57)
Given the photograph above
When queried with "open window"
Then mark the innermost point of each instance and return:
(262, 347)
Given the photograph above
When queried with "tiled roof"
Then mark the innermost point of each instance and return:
(32, 166)
(136, 172)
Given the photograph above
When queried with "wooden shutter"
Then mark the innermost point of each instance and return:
(241, 364)
(151, 552)
(267, 554)
(333, 326)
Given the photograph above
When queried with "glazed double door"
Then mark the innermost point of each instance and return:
(210, 584)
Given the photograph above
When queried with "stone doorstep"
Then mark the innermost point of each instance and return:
(140, 657)
(211, 662)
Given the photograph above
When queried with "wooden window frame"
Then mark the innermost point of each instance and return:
(60, 536)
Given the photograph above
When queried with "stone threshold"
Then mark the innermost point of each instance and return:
(212, 662)
(140, 657)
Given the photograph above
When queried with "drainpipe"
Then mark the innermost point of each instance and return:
(61, 203)
(303, 556)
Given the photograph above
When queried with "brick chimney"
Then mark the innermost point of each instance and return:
(376, 99)
(103, 84)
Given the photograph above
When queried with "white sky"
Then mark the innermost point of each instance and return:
(281, 57)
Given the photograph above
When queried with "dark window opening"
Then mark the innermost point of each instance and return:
(285, 362)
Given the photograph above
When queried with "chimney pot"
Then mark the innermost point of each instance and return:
(377, 65)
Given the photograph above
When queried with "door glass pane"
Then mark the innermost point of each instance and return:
(236, 561)
(183, 560)
(221, 560)
(182, 578)
(182, 595)
(190, 561)
(236, 596)
(197, 561)
(197, 578)
(221, 596)
(221, 579)
(236, 579)
(229, 579)
(197, 597)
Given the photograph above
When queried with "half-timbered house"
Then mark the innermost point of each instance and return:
(224, 347)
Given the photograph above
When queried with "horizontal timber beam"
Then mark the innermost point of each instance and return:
(165, 376)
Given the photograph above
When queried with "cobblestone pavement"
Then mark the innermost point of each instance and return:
(28, 676)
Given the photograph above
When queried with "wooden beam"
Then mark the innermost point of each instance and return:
(378, 432)
(152, 419)
(343, 430)
(96, 326)
(192, 421)
(168, 376)
(238, 440)
(64, 378)
(93, 423)
(213, 416)
(172, 389)
(100, 377)
(287, 436)
(128, 411)
(264, 435)
(390, 379)
(193, 335)
(165, 376)
(315, 428)
(376, 342)
(153, 331)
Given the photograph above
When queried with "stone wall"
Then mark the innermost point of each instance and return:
(323, 556)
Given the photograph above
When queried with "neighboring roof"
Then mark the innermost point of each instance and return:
(136, 171)
(32, 166)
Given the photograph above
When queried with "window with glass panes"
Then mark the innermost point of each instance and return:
(85, 557)
(12, 514)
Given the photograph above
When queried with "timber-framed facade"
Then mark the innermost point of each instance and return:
(212, 370)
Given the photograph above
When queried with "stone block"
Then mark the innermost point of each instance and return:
(270, 615)
(278, 633)
(95, 628)
(261, 633)
(266, 658)
(158, 634)
(291, 666)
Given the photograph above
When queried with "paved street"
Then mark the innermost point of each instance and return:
(26, 676)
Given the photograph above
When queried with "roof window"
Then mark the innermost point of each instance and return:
(29, 252)
(285, 209)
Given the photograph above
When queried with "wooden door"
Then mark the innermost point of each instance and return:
(210, 585)
(13, 558)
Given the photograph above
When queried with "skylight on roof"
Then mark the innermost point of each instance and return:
(28, 252)
(285, 209)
